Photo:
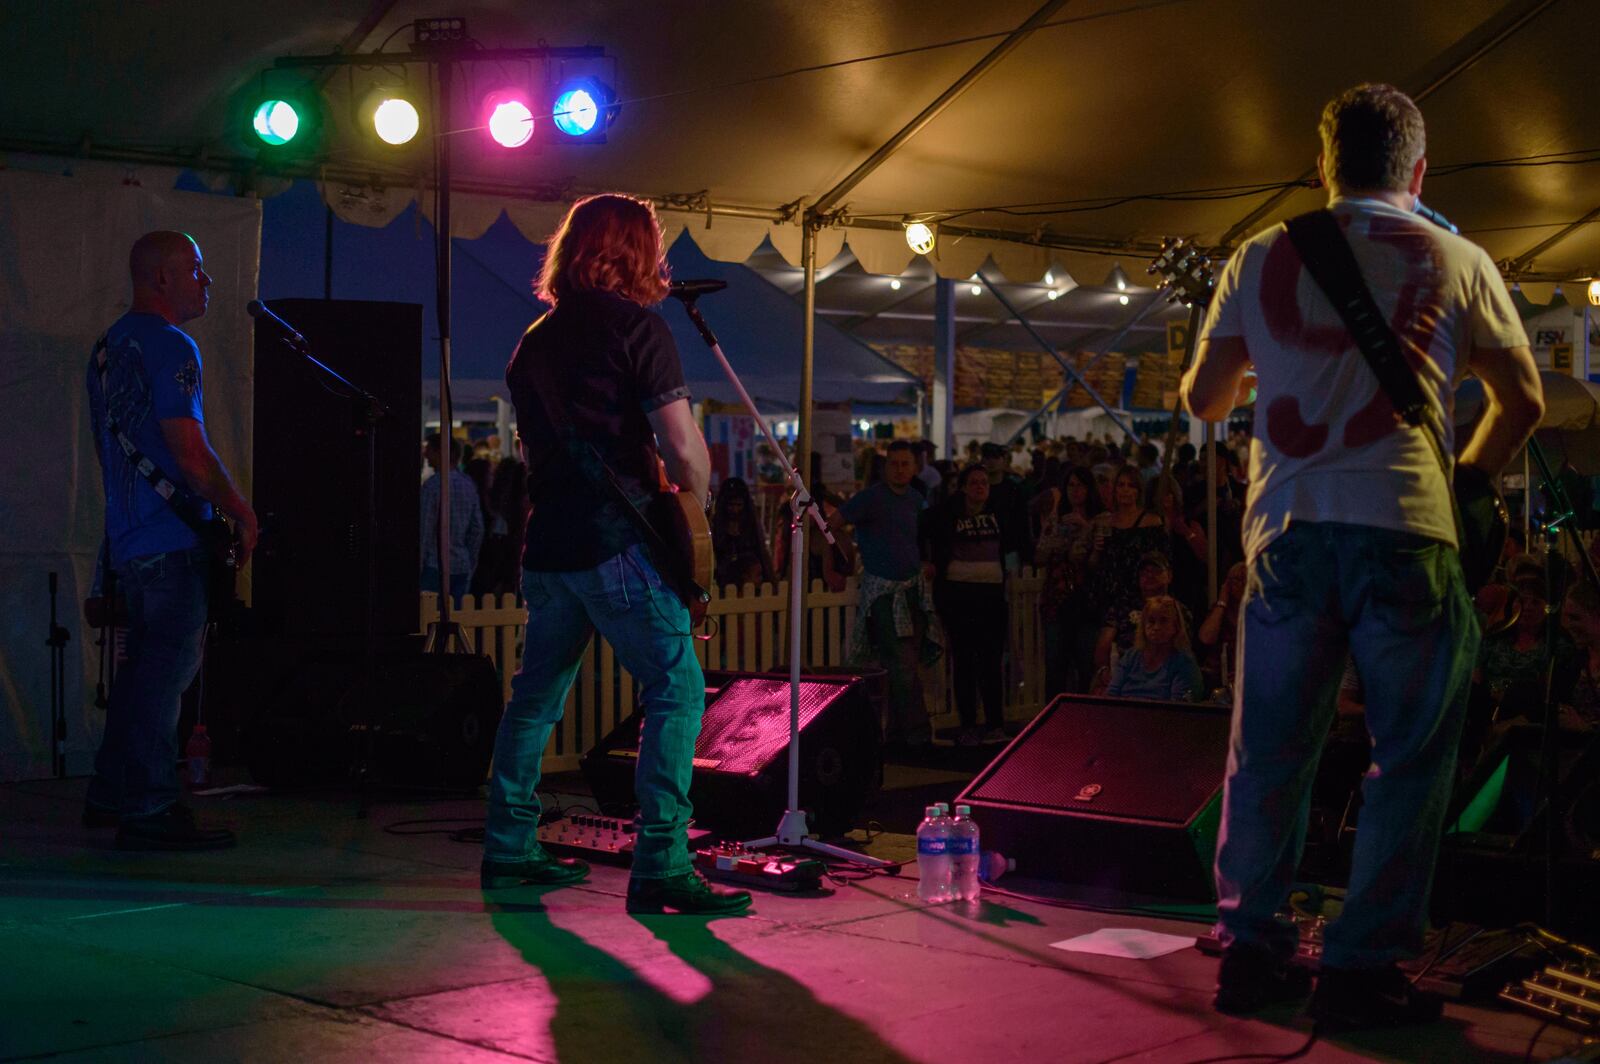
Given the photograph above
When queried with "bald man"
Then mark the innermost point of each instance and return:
(144, 383)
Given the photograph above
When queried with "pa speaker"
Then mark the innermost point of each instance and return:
(741, 763)
(310, 469)
(1119, 794)
(430, 720)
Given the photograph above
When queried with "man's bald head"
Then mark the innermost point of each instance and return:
(153, 251)
(167, 276)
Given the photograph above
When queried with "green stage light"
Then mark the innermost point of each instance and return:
(276, 122)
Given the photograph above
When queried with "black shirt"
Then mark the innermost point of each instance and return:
(595, 366)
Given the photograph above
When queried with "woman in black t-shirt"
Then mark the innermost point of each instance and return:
(972, 549)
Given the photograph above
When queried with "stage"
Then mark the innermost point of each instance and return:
(327, 937)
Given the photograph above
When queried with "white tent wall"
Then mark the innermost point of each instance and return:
(64, 241)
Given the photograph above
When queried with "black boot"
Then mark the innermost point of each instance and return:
(687, 893)
(541, 869)
(1251, 979)
(1349, 998)
(173, 828)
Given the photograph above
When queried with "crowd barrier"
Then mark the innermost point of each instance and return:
(750, 635)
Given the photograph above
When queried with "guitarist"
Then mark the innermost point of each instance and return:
(145, 397)
(598, 387)
(1351, 544)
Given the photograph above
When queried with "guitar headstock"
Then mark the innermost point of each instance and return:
(1186, 271)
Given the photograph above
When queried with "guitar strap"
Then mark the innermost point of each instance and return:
(183, 503)
(683, 586)
(1332, 264)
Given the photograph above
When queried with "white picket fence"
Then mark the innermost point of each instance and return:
(751, 635)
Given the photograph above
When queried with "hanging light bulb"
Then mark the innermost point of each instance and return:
(1054, 294)
(920, 237)
(1594, 292)
(894, 283)
(1049, 277)
(1123, 299)
(977, 289)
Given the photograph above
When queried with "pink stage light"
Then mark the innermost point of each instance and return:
(510, 119)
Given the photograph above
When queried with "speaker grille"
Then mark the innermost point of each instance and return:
(1149, 762)
(747, 725)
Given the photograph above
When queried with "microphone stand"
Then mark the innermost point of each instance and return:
(792, 831)
(369, 411)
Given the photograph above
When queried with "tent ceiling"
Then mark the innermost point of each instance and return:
(1114, 98)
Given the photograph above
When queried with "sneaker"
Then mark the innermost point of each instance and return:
(98, 816)
(688, 893)
(1251, 979)
(969, 737)
(1371, 997)
(173, 828)
(995, 735)
(541, 870)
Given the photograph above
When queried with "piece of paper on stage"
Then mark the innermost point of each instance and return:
(1130, 942)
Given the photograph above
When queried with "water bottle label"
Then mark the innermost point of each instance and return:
(962, 847)
(936, 847)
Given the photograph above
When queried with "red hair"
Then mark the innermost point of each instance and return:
(609, 243)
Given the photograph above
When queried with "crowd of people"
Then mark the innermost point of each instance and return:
(488, 516)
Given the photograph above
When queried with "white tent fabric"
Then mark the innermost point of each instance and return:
(64, 240)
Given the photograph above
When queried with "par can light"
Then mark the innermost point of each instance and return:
(276, 122)
(508, 118)
(396, 121)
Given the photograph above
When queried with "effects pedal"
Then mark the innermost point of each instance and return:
(731, 862)
(605, 839)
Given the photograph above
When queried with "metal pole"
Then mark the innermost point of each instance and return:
(944, 354)
(1211, 512)
(930, 112)
(1050, 349)
(808, 345)
(442, 276)
(327, 254)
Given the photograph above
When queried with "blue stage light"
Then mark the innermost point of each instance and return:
(581, 107)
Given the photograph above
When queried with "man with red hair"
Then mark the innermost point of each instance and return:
(598, 388)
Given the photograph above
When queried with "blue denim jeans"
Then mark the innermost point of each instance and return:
(648, 627)
(135, 771)
(1397, 603)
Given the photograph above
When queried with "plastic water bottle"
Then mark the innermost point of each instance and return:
(992, 865)
(964, 855)
(933, 862)
(198, 755)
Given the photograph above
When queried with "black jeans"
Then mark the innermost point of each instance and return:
(975, 627)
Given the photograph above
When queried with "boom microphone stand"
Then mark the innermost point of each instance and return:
(792, 829)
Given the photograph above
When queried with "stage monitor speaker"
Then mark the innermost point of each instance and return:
(741, 762)
(310, 469)
(1124, 795)
(434, 722)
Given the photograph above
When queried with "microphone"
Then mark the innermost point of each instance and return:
(1436, 218)
(691, 289)
(286, 332)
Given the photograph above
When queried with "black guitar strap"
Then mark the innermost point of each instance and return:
(1332, 264)
(683, 585)
(183, 503)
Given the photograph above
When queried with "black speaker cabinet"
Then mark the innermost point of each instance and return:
(1118, 794)
(741, 763)
(432, 719)
(310, 469)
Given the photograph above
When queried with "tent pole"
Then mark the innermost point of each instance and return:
(1049, 348)
(1212, 582)
(808, 351)
(944, 366)
(838, 192)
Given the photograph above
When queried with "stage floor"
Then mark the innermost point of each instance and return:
(325, 937)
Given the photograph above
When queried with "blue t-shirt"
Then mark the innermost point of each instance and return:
(1178, 679)
(152, 373)
(886, 530)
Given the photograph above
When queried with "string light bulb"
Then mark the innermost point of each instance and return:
(1594, 292)
(894, 283)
